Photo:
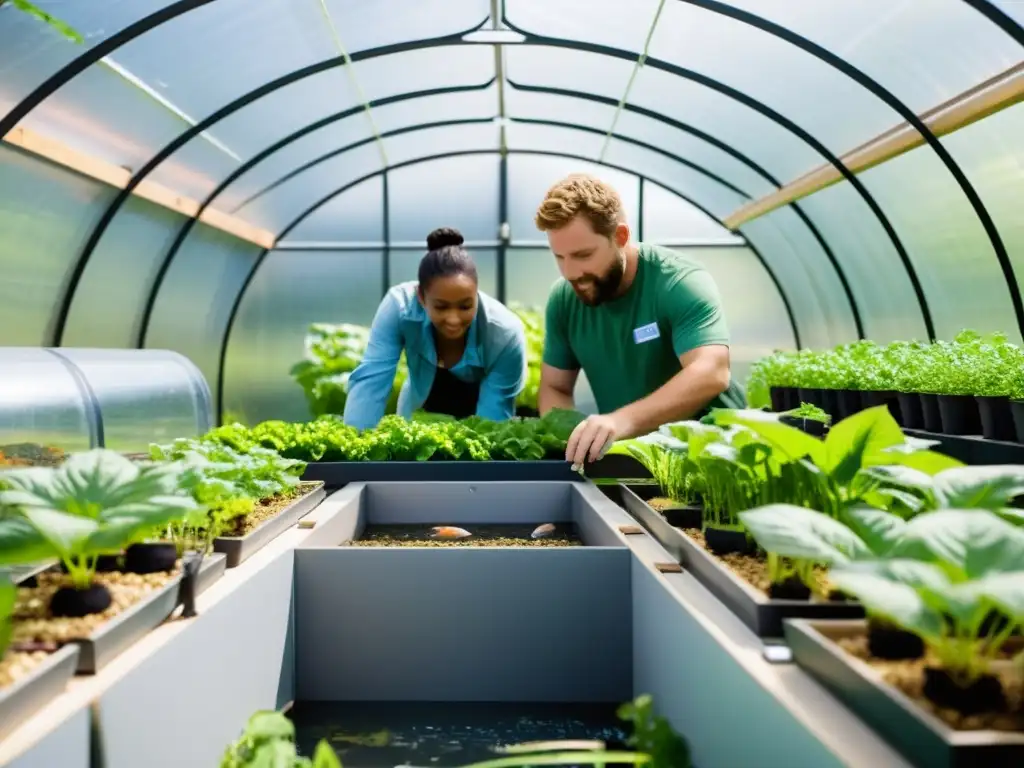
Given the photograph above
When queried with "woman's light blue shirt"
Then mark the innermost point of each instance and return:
(495, 356)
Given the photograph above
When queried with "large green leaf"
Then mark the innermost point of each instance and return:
(886, 597)
(855, 439)
(790, 442)
(20, 543)
(798, 532)
(120, 525)
(879, 530)
(65, 532)
(973, 541)
(1004, 590)
(988, 487)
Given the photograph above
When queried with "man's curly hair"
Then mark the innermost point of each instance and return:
(581, 195)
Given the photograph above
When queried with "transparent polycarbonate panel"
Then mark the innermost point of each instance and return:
(108, 304)
(460, 192)
(789, 267)
(753, 309)
(31, 51)
(105, 116)
(839, 111)
(698, 186)
(41, 402)
(878, 279)
(145, 396)
(262, 122)
(404, 265)
(924, 52)
(762, 139)
(530, 273)
(46, 214)
(386, 22)
(659, 131)
(530, 177)
(605, 22)
(291, 290)
(1012, 8)
(191, 311)
(411, 110)
(354, 216)
(442, 140)
(954, 257)
(667, 218)
(293, 196)
(991, 153)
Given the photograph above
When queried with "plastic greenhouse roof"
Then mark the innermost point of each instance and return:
(270, 110)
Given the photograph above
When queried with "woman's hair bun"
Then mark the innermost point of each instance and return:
(443, 236)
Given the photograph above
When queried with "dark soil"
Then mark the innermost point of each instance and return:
(908, 676)
(564, 535)
(753, 568)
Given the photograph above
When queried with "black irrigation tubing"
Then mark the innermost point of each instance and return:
(237, 303)
(891, 100)
(204, 125)
(999, 18)
(727, 149)
(771, 114)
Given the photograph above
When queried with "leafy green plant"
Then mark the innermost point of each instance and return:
(95, 503)
(667, 459)
(940, 579)
(808, 412)
(269, 742)
(8, 595)
(36, 12)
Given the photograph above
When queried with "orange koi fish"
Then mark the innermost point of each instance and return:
(448, 532)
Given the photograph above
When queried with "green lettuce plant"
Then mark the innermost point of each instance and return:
(96, 503)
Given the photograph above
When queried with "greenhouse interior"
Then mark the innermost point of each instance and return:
(507, 383)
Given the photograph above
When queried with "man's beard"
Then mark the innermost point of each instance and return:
(606, 287)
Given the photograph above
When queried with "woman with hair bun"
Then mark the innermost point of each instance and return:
(465, 350)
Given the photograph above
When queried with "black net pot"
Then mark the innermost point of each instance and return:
(911, 410)
(930, 413)
(996, 418)
(1017, 411)
(959, 415)
(849, 403)
(890, 399)
(778, 396)
(809, 396)
(830, 401)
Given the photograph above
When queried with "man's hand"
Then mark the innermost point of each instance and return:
(593, 437)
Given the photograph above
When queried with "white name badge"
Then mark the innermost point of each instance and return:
(646, 333)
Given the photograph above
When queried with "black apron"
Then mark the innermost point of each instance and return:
(451, 395)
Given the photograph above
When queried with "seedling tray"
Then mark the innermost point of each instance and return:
(34, 691)
(923, 738)
(113, 637)
(239, 548)
(335, 473)
(762, 614)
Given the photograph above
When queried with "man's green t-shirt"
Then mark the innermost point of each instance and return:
(630, 346)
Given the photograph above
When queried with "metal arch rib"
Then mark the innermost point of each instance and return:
(896, 104)
(771, 114)
(258, 261)
(183, 138)
(998, 17)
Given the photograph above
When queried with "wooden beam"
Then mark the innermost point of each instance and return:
(118, 177)
(993, 95)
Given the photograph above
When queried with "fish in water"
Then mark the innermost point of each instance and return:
(541, 531)
(448, 532)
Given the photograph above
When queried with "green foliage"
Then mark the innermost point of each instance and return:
(970, 364)
(425, 437)
(332, 352)
(97, 502)
(36, 12)
(8, 595)
(269, 742)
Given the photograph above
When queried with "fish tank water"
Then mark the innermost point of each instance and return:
(445, 735)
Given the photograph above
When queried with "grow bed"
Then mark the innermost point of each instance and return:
(29, 680)
(480, 535)
(740, 581)
(974, 449)
(31, 455)
(139, 603)
(335, 473)
(268, 520)
(888, 696)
